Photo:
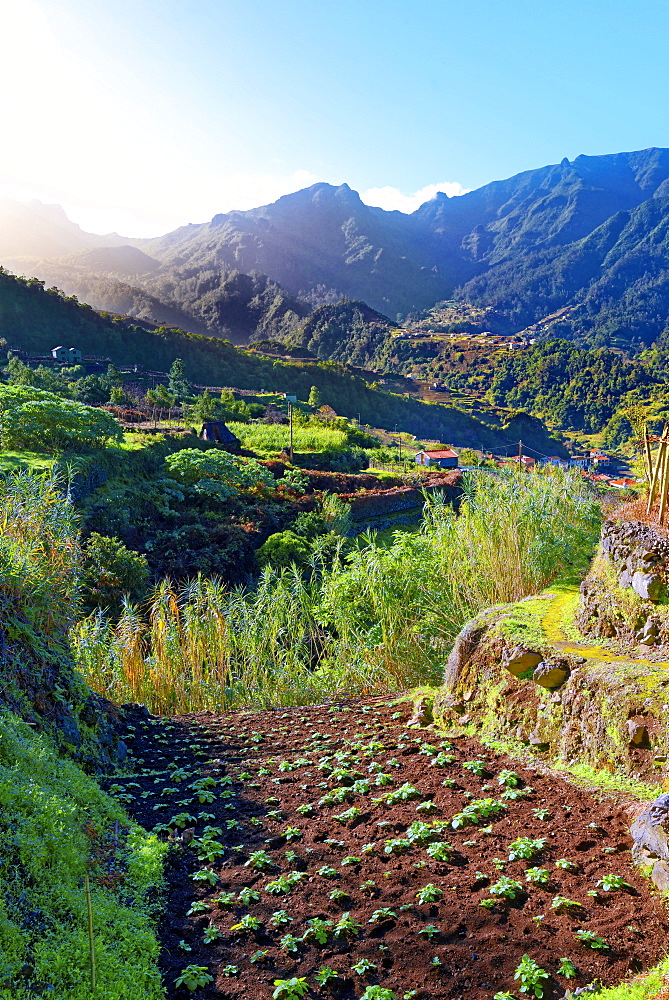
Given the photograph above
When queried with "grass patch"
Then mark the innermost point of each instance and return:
(58, 826)
(32, 461)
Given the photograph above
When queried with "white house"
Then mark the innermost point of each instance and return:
(71, 354)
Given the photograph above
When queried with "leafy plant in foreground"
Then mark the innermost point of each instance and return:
(290, 989)
(531, 976)
(193, 976)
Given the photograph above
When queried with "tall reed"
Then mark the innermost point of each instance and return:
(383, 620)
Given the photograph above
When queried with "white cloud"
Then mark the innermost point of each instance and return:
(391, 198)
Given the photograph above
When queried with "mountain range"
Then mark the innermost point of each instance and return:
(580, 249)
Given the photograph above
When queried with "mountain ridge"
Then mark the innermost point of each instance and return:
(591, 234)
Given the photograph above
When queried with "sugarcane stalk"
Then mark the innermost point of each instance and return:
(656, 472)
(648, 458)
(91, 942)
(664, 485)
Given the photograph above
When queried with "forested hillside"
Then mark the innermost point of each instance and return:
(35, 319)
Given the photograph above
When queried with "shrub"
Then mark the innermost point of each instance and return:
(284, 549)
(112, 572)
(218, 474)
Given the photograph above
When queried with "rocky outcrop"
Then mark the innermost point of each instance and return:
(609, 715)
(650, 833)
(639, 554)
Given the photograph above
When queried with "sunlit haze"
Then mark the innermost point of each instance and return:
(142, 116)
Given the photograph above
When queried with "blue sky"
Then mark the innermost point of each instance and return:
(141, 116)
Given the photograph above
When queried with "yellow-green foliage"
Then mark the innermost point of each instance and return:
(270, 439)
(643, 988)
(46, 804)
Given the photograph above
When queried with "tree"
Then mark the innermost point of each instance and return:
(315, 397)
(178, 383)
(37, 420)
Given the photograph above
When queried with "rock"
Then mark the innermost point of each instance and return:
(537, 741)
(519, 659)
(637, 732)
(648, 586)
(625, 579)
(649, 832)
(550, 675)
(465, 645)
(422, 713)
(121, 751)
(660, 875)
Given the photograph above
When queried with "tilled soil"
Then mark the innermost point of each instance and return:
(308, 788)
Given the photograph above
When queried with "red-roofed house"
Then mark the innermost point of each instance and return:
(446, 458)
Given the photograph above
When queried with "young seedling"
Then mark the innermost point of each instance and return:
(346, 926)
(378, 993)
(590, 940)
(205, 875)
(613, 883)
(247, 923)
(326, 975)
(193, 977)
(439, 851)
(507, 888)
(431, 931)
(567, 968)
(538, 876)
(289, 943)
(317, 929)
(363, 966)
(327, 872)
(225, 900)
(531, 977)
(211, 934)
(509, 779)
(230, 970)
(429, 894)
(248, 896)
(566, 866)
(525, 848)
(381, 915)
(199, 906)
(259, 860)
(475, 766)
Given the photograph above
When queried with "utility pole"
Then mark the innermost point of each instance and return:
(520, 454)
(290, 417)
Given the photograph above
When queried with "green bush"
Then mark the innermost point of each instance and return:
(218, 474)
(112, 572)
(283, 549)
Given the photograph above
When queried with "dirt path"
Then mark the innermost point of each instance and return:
(553, 626)
(337, 838)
